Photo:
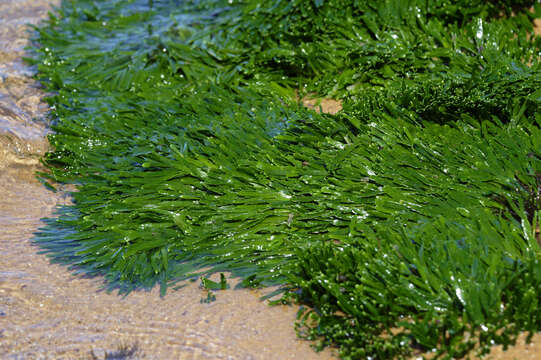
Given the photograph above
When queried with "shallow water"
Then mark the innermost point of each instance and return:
(46, 312)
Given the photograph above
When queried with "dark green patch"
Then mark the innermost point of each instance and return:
(124, 352)
(210, 298)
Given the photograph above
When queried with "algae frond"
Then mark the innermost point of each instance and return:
(409, 220)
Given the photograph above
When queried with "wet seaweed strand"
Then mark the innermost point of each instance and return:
(412, 212)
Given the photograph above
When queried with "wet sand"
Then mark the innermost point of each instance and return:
(329, 106)
(47, 313)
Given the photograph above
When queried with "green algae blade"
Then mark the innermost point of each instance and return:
(408, 221)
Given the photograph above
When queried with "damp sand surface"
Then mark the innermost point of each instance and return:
(329, 106)
(48, 313)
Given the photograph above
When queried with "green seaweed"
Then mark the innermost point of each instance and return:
(408, 222)
(208, 284)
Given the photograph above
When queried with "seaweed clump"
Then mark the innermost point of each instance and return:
(409, 221)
